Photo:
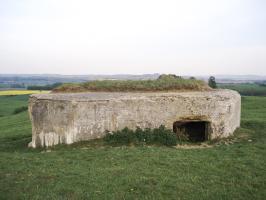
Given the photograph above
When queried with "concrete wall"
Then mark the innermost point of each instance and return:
(68, 118)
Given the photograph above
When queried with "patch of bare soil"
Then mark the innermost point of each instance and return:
(193, 146)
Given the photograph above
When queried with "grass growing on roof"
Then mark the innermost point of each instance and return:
(163, 83)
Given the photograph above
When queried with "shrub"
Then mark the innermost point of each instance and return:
(20, 109)
(165, 136)
(212, 82)
(126, 136)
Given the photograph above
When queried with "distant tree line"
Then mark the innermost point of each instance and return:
(12, 85)
(44, 87)
(261, 83)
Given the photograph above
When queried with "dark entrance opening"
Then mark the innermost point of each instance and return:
(195, 131)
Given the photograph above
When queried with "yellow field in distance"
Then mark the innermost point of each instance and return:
(21, 92)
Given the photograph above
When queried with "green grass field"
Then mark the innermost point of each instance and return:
(90, 170)
(246, 89)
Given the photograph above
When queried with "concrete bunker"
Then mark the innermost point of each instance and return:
(194, 130)
(65, 118)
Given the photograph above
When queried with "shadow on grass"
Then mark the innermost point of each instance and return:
(16, 144)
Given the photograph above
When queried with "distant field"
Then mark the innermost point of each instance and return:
(246, 89)
(234, 170)
(20, 92)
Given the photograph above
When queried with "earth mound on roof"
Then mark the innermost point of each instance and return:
(165, 83)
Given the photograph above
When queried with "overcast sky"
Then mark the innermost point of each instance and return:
(189, 37)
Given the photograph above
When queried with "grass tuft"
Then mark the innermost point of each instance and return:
(20, 109)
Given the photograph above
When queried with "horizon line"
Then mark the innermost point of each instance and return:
(124, 74)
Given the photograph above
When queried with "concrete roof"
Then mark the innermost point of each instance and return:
(96, 96)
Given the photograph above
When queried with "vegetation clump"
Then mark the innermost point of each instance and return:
(20, 109)
(212, 82)
(163, 83)
(161, 136)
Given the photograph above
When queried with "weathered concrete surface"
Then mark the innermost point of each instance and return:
(67, 118)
